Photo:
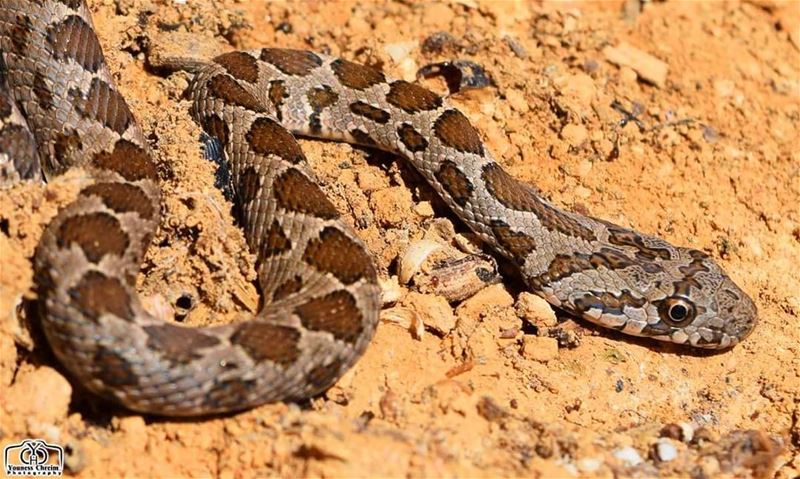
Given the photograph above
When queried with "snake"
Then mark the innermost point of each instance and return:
(60, 110)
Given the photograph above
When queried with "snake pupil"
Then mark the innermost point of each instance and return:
(678, 312)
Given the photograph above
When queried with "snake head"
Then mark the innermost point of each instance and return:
(705, 309)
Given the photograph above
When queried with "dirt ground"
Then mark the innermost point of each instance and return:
(695, 141)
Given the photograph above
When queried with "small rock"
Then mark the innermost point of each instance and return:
(400, 54)
(627, 75)
(575, 135)
(369, 180)
(391, 205)
(582, 192)
(589, 464)
(579, 87)
(42, 396)
(584, 168)
(535, 310)
(424, 209)
(135, 431)
(647, 66)
(74, 456)
(665, 450)
(439, 41)
(628, 455)
(434, 311)
(539, 348)
(490, 410)
(517, 101)
(484, 301)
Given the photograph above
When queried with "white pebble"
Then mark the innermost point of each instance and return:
(665, 450)
(589, 464)
(628, 455)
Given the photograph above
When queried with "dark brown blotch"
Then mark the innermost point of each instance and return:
(336, 313)
(18, 142)
(249, 185)
(518, 244)
(66, 145)
(295, 192)
(370, 112)
(455, 182)
(320, 98)
(229, 394)
(5, 99)
(106, 105)
(335, 253)
(412, 98)
(42, 92)
(355, 76)
(73, 4)
(19, 34)
(268, 342)
(239, 65)
(74, 38)
(519, 196)
(287, 288)
(291, 62)
(217, 128)
(129, 160)
(122, 198)
(177, 344)
(228, 90)
(275, 242)
(96, 294)
(112, 369)
(411, 138)
(454, 130)
(624, 237)
(277, 96)
(97, 234)
(607, 302)
(361, 137)
(610, 259)
(324, 376)
(266, 137)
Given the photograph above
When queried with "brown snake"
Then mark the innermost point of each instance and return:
(319, 283)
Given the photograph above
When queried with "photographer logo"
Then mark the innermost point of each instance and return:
(33, 457)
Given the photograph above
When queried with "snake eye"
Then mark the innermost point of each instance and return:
(676, 311)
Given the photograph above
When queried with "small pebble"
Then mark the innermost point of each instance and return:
(648, 67)
(589, 464)
(575, 135)
(535, 310)
(539, 348)
(628, 455)
(665, 451)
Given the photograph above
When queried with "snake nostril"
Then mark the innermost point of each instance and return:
(184, 304)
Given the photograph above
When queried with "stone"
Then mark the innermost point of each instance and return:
(648, 67)
(539, 348)
(575, 135)
(42, 396)
(535, 310)
(434, 311)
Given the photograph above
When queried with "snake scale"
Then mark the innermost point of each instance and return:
(59, 108)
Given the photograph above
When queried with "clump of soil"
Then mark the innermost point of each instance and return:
(677, 118)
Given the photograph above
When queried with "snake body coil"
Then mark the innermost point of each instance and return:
(59, 107)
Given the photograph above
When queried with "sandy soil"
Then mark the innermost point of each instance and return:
(491, 385)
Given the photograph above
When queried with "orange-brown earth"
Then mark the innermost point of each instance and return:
(489, 386)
